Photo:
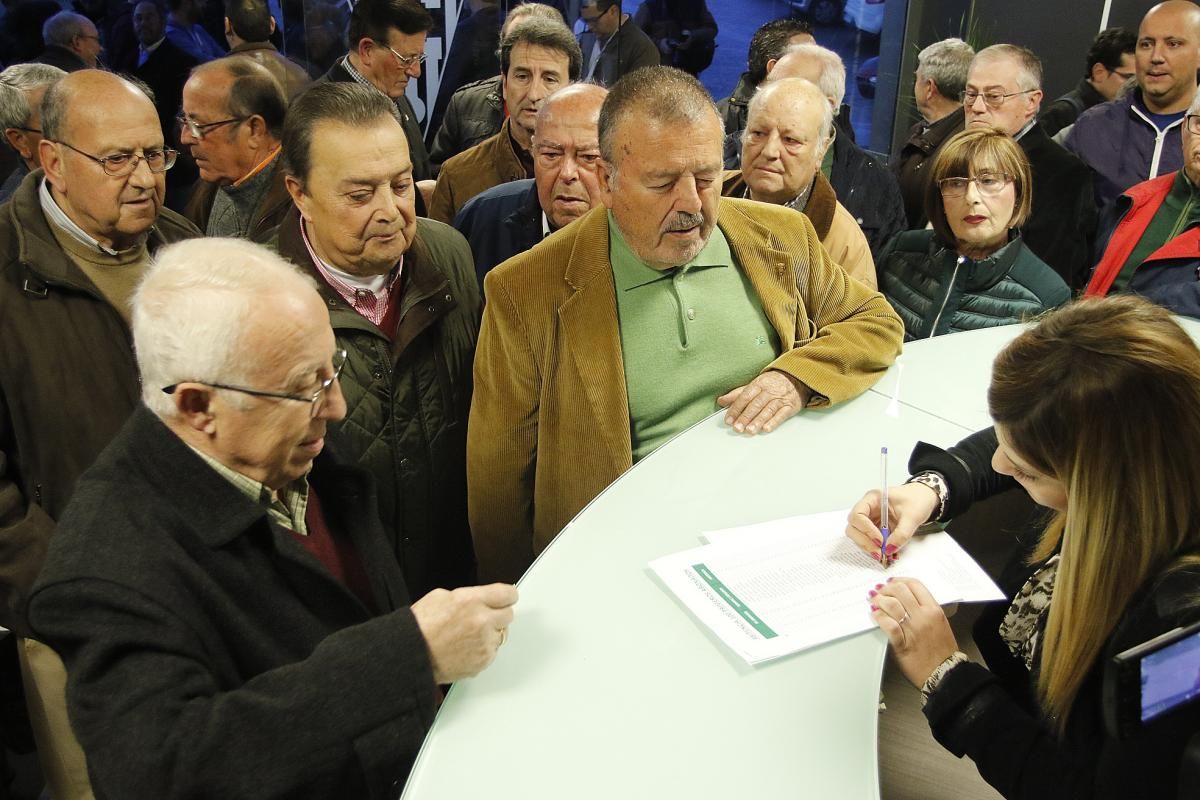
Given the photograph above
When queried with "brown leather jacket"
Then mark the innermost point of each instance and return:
(490, 163)
(68, 381)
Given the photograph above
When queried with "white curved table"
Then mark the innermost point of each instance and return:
(607, 688)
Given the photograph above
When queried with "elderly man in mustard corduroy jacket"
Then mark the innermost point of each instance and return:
(641, 318)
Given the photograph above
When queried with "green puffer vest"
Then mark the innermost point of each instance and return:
(407, 400)
(935, 291)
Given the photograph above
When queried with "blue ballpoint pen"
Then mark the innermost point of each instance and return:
(883, 506)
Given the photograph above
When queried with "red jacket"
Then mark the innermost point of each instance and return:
(1143, 201)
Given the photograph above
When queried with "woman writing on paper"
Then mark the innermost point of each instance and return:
(1097, 417)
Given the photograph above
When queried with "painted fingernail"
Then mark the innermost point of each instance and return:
(874, 608)
(891, 548)
(889, 580)
(872, 593)
(875, 556)
(879, 585)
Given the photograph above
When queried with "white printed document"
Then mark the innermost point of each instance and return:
(779, 587)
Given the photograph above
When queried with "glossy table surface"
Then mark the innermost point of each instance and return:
(608, 688)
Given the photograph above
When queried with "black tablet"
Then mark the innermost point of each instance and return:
(1152, 679)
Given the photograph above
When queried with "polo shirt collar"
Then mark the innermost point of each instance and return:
(630, 272)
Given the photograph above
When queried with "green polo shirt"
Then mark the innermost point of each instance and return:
(827, 162)
(688, 336)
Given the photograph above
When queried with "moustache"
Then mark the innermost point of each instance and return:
(684, 220)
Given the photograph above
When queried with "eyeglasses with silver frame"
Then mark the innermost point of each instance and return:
(989, 184)
(990, 99)
(406, 62)
(198, 129)
(339, 363)
(120, 165)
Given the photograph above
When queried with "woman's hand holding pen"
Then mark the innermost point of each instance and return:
(909, 506)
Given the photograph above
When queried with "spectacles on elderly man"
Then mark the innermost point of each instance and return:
(198, 129)
(316, 398)
(406, 62)
(120, 165)
(1192, 121)
(989, 184)
(991, 99)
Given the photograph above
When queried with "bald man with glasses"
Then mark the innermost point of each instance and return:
(75, 239)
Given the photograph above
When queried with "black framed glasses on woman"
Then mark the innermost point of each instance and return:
(339, 363)
(119, 165)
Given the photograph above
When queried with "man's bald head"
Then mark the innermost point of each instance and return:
(796, 95)
(83, 96)
(816, 64)
(1168, 55)
(101, 137)
(577, 99)
(566, 152)
(789, 125)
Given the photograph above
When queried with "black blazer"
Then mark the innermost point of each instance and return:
(1063, 221)
(165, 72)
(422, 167)
(209, 654)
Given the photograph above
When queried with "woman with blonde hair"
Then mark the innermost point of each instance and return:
(971, 269)
(1097, 417)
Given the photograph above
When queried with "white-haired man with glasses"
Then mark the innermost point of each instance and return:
(1004, 91)
(74, 241)
(221, 588)
(387, 48)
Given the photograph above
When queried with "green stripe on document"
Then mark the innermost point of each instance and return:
(732, 599)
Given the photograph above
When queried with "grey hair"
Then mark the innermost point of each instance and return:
(1194, 108)
(791, 85)
(662, 94)
(16, 84)
(528, 11)
(947, 63)
(191, 310)
(64, 26)
(1029, 66)
(832, 81)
